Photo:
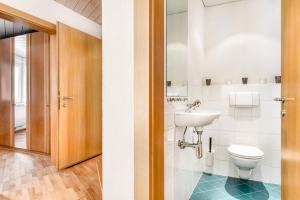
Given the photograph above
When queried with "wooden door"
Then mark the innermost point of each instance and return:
(79, 61)
(291, 90)
(6, 96)
(38, 92)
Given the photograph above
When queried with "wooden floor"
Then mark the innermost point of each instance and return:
(20, 139)
(31, 176)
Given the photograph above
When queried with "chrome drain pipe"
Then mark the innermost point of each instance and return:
(198, 145)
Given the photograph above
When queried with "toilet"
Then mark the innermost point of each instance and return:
(245, 158)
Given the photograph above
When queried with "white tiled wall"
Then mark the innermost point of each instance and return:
(258, 126)
(180, 180)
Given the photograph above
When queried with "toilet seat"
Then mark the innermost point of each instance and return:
(245, 152)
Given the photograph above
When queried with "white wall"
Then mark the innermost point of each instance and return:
(243, 39)
(196, 48)
(118, 98)
(53, 12)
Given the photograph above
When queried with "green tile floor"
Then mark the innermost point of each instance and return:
(214, 187)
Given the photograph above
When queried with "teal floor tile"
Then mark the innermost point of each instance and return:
(274, 193)
(244, 197)
(245, 189)
(215, 187)
(258, 196)
(234, 192)
(198, 196)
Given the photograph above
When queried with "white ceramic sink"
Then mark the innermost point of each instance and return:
(198, 118)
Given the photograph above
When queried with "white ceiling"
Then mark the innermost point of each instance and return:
(208, 3)
(88, 8)
(176, 6)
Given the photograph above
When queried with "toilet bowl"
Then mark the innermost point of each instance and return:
(245, 158)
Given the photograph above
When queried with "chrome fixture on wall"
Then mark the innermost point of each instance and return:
(193, 106)
(177, 99)
(197, 146)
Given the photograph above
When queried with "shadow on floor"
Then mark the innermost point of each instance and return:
(237, 187)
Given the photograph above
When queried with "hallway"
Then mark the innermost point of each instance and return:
(20, 139)
(32, 176)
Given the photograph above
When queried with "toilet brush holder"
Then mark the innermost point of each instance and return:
(209, 159)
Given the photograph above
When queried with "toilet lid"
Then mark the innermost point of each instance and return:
(245, 151)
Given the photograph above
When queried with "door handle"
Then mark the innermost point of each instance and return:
(67, 98)
(284, 99)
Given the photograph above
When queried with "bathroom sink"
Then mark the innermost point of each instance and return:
(197, 118)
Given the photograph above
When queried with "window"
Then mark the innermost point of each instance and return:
(20, 70)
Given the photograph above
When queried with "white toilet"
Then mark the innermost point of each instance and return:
(245, 158)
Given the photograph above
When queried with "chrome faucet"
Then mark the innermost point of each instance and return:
(193, 106)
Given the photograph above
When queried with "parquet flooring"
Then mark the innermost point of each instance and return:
(28, 176)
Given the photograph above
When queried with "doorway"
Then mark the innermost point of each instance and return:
(20, 91)
(290, 103)
(50, 49)
(30, 92)
(74, 105)
(24, 81)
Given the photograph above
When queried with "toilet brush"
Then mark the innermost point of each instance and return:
(210, 155)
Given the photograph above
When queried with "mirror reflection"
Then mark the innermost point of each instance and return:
(176, 51)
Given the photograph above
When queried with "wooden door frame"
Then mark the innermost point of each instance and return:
(28, 93)
(15, 15)
(157, 94)
(13, 103)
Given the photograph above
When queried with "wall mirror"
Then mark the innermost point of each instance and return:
(176, 48)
